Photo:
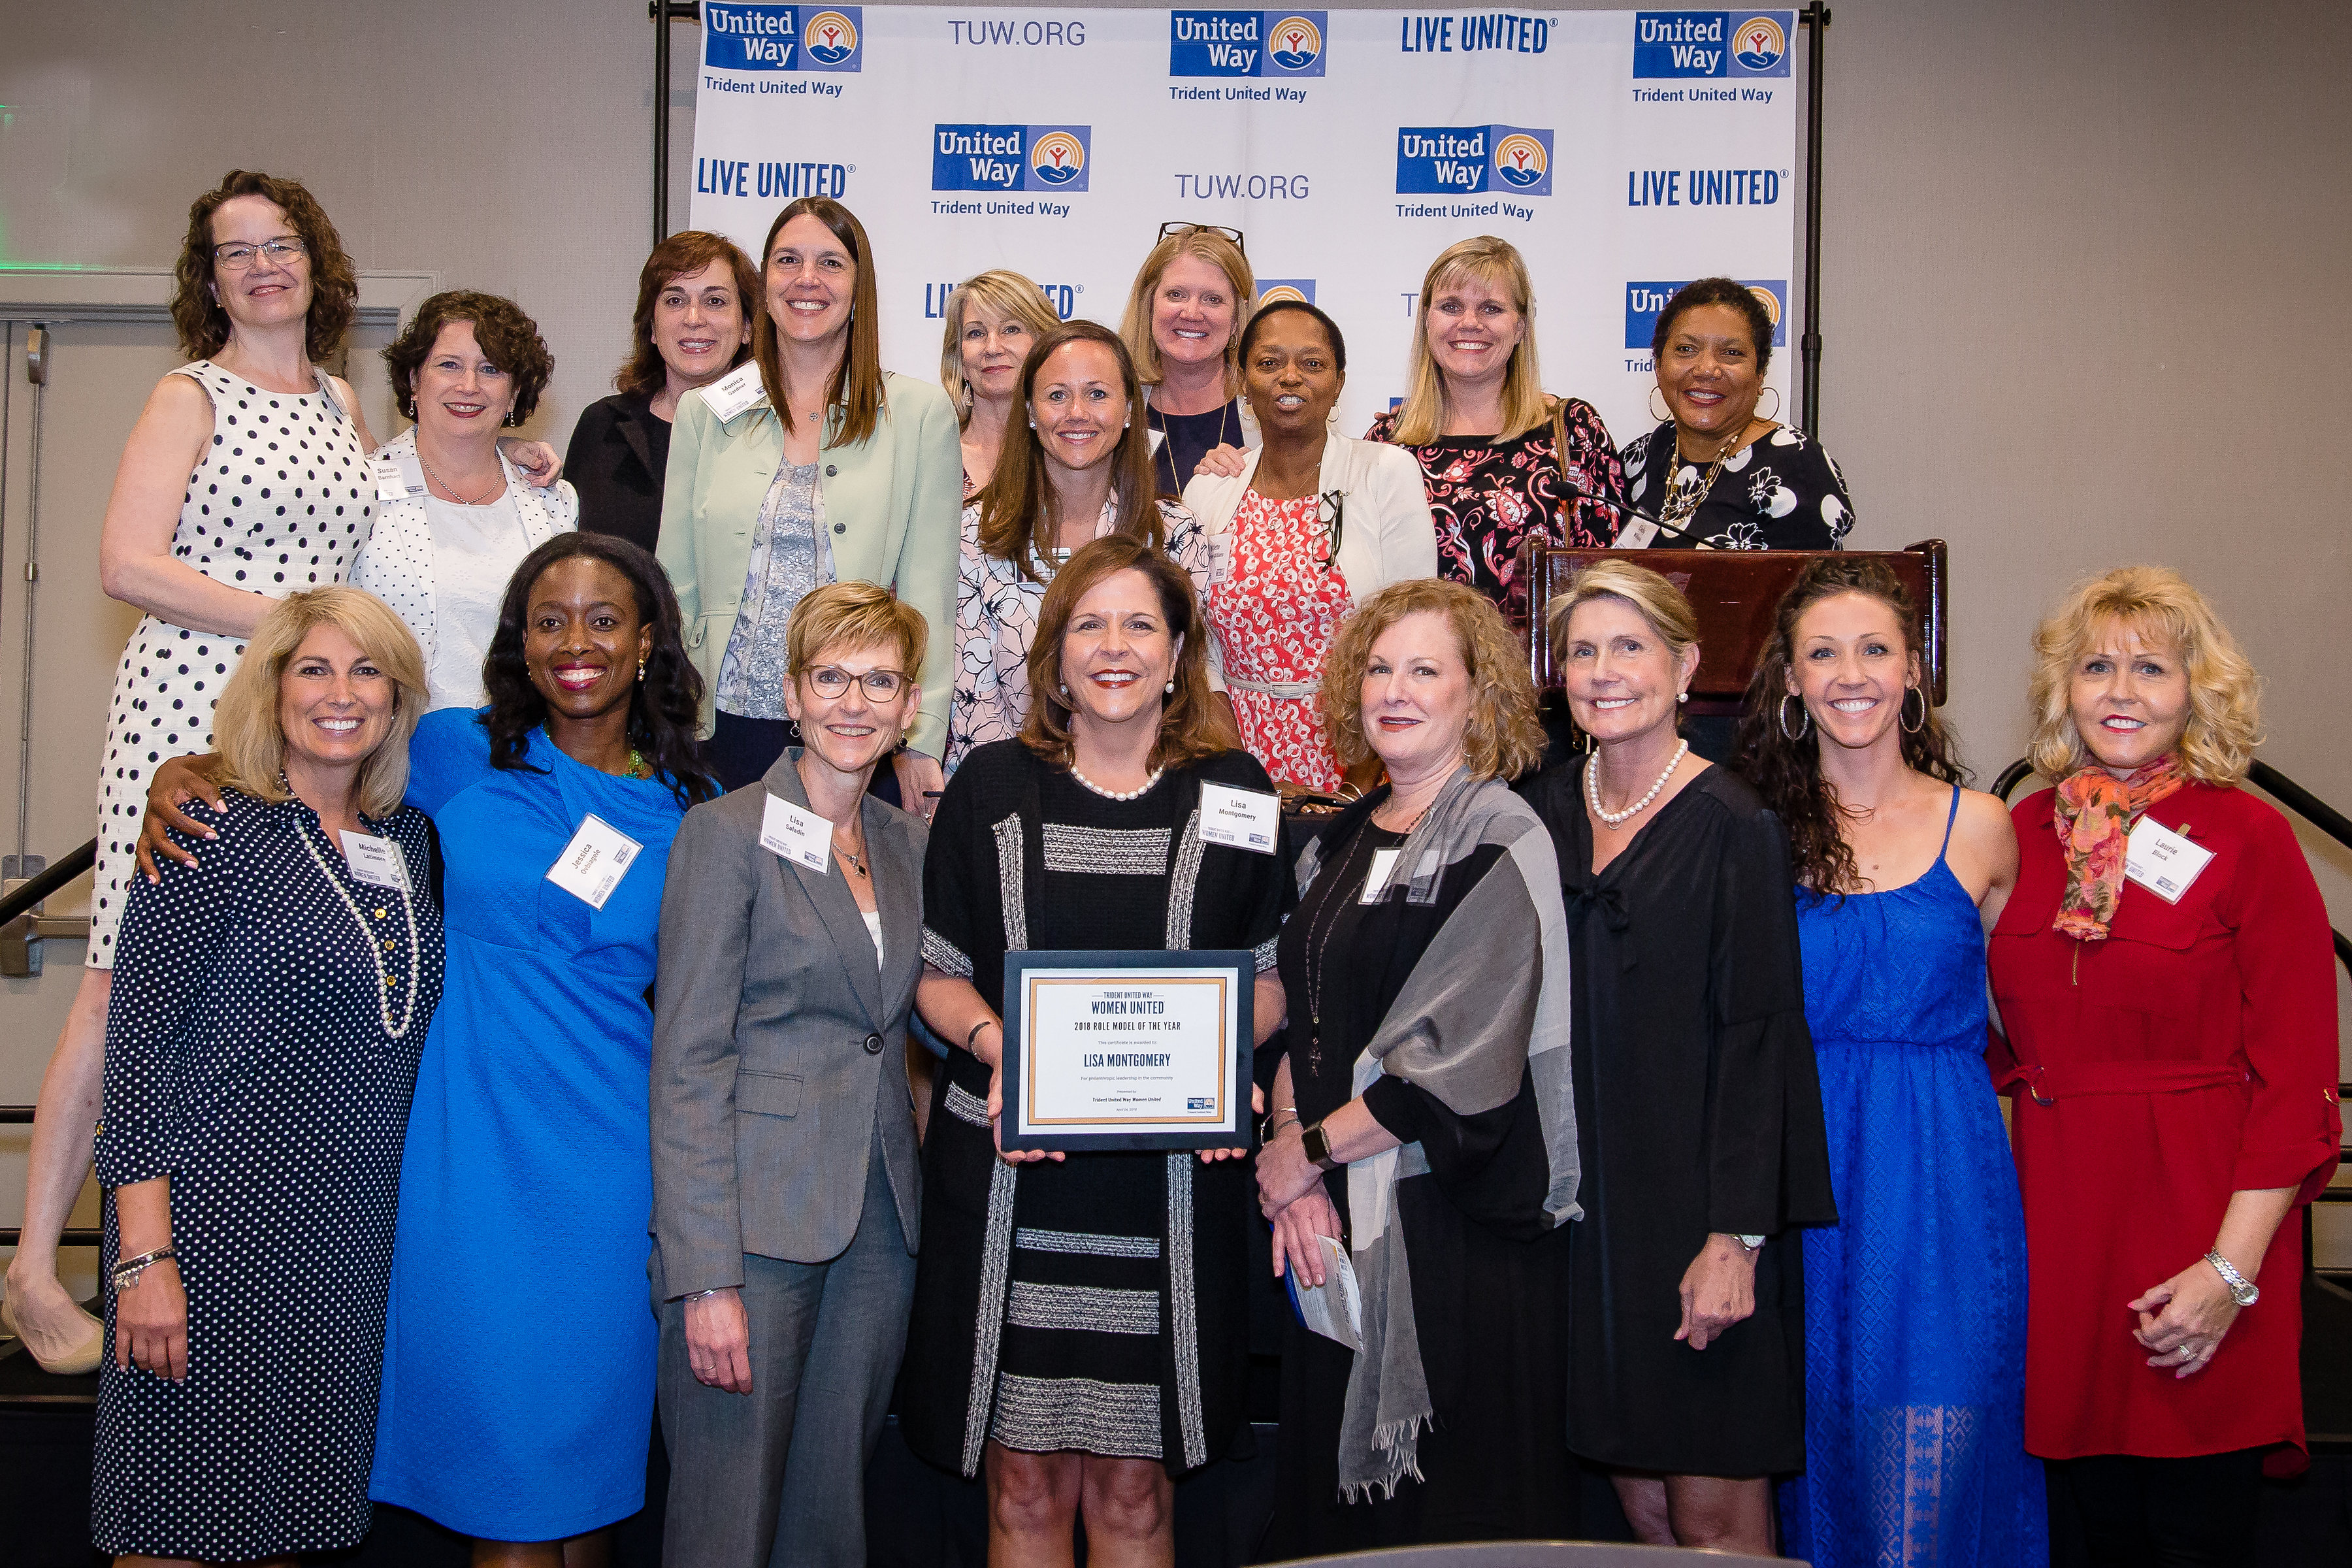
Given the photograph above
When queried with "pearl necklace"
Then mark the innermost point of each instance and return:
(1619, 819)
(1144, 789)
(383, 977)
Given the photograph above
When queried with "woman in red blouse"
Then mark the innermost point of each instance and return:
(2163, 973)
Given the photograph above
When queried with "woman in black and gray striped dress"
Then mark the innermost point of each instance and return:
(1080, 1326)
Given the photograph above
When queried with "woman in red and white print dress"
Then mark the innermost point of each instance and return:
(1301, 531)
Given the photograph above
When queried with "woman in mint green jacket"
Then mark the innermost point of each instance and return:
(810, 464)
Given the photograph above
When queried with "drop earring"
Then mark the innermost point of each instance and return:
(1169, 689)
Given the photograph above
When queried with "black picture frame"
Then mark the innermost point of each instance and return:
(1232, 1127)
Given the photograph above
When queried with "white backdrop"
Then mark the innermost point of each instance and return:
(1622, 151)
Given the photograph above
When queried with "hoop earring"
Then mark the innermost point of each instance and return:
(1908, 692)
(1775, 415)
(1804, 729)
(1665, 418)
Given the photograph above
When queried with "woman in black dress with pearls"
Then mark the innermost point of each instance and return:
(262, 1044)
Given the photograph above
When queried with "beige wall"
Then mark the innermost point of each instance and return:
(2067, 255)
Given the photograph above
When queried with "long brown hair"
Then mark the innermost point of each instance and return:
(1190, 724)
(682, 254)
(1019, 514)
(196, 313)
(1787, 773)
(857, 389)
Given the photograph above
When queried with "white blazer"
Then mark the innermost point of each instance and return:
(395, 560)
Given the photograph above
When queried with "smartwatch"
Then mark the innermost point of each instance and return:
(1317, 1145)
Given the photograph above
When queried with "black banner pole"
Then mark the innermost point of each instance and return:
(1815, 19)
(663, 13)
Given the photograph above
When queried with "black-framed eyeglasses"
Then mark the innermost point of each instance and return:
(1331, 512)
(832, 682)
(1180, 227)
(237, 256)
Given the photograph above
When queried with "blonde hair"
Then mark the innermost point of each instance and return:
(854, 614)
(250, 735)
(1502, 738)
(1659, 601)
(1134, 327)
(1001, 293)
(2224, 724)
(1497, 264)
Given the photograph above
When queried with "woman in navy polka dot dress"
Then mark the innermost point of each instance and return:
(266, 1019)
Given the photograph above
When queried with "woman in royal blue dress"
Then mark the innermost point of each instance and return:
(1915, 1302)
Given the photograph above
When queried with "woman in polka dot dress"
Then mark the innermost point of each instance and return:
(261, 1051)
(245, 481)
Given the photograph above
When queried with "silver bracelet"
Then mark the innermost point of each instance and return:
(2241, 1289)
(703, 1295)
(127, 1272)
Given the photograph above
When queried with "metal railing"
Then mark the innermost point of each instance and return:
(20, 928)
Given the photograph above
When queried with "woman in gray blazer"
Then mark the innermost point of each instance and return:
(786, 1192)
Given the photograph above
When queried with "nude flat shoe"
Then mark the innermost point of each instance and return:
(78, 1363)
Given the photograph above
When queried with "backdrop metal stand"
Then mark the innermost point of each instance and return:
(1815, 19)
(662, 13)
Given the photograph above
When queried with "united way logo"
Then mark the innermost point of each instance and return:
(1463, 160)
(1269, 290)
(1644, 300)
(1670, 44)
(1058, 160)
(1246, 43)
(1759, 44)
(1010, 157)
(776, 38)
(829, 39)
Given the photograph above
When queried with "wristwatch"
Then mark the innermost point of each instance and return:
(1750, 1242)
(1317, 1145)
(2243, 1291)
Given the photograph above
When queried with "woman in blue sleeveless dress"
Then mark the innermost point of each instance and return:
(1915, 1302)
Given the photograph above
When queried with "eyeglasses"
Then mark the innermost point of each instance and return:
(1332, 511)
(1232, 234)
(832, 682)
(238, 257)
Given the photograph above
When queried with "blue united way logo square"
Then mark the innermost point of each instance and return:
(782, 38)
(1246, 43)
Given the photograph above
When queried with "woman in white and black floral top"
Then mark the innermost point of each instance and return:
(1078, 467)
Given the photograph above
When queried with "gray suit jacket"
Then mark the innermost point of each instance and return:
(779, 1044)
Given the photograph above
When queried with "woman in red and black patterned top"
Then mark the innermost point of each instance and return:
(1501, 461)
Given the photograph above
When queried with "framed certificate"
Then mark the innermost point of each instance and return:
(1127, 1050)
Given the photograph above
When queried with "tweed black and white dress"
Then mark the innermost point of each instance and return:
(279, 501)
(1099, 1304)
(249, 1058)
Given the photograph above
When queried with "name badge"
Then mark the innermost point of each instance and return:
(1636, 534)
(376, 861)
(2161, 860)
(1247, 819)
(800, 837)
(1376, 880)
(734, 392)
(595, 860)
(391, 484)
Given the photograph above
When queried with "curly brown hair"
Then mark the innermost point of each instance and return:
(1192, 726)
(1787, 773)
(682, 254)
(1503, 739)
(197, 313)
(508, 339)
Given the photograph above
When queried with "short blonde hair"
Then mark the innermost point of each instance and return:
(247, 731)
(1134, 327)
(1497, 264)
(2224, 693)
(1503, 739)
(1003, 293)
(1659, 601)
(854, 614)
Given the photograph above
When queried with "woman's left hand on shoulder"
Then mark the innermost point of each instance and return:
(2183, 1321)
(540, 464)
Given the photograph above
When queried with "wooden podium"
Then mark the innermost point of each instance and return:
(1734, 592)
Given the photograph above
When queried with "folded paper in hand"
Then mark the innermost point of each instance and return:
(1334, 1308)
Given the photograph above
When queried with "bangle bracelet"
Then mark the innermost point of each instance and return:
(126, 1273)
(972, 1038)
(701, 1295)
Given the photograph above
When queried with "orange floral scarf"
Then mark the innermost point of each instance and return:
(2095, 812)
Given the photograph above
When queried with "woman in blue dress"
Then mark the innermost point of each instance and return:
(1915, 1303)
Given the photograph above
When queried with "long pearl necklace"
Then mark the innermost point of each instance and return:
(1619, 819)
(383, 977)
(1136, 793)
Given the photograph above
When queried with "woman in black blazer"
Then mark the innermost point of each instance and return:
(693, 325)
